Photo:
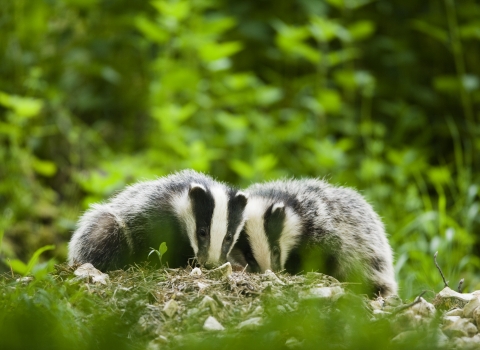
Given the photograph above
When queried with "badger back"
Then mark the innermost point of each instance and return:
(195, 215)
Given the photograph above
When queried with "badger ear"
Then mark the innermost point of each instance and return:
(241, 199)
(278, 211)
(197, 192)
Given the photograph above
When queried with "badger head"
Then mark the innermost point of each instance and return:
(213, 217)
(270, 232)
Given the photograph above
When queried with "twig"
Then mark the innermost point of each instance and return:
(403, 307)
(460, 285)
(439, 269)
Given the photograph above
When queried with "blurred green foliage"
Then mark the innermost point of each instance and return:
(381, 96)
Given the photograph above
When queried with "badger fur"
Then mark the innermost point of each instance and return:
(305, 225)
(195, 215)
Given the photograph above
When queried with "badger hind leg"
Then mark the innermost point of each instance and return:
(100, 240)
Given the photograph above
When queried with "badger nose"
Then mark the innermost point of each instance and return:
(210, 265)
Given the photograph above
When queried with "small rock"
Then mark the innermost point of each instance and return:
(377, 304)
(89, 272)
(381, 313)
(211, 324)
(196, 272)
(470, 307)
(393, 301)
(423, 308)
(192, 311)
(448, 299)
(448, 320)
(460, 328)
(404, 336)
(454, 312)
(258, 311)
(208, 302)
(332, 293)
(202, 286)
(467, 343)
(272, 277)
(222, 271)
(24, 280)
(251, 323)
(476, 316)
(293, 343)
(170, 308)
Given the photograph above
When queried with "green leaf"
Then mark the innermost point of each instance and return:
(432, 31)
(215, 51)
(34, 259)
(18, 266)
(163, 248)
(44, 167)
(151, 30)
(22, 106)
(361, 30)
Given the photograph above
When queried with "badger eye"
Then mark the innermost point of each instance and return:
(228, 238)
(203, 233)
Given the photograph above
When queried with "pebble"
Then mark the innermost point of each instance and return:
(208, 302)
(196, 272)
(470, 307)
(454, 312)
(222, 271)
(88, 271)
(251, 323)
(170, 308)
(211, 324)
(271, 276)
(423, 308)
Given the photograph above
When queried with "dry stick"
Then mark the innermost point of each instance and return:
(460, 285)
(439, 269)
(403, 307)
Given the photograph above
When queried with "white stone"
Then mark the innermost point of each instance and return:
(293, 343)
(476, 316)
(202, 286)
(460, 328)
(24, 280)
(222, 271)
(470, 307)
(170, 308)
(211, 324)
(251, 323)
(88, 271)
(448, 320)
(273, 277)
(196, 272)
(423, 308)
(208, 302)
(377, 304)
(454, 312)
(448, 298)
(332, 293)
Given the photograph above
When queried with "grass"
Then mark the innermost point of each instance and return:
(63, 311)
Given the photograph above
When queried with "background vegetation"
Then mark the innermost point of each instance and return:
(383, 96)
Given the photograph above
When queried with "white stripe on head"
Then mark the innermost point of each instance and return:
(182, 205)
(255, 229)
(218, 225)
(290, 234)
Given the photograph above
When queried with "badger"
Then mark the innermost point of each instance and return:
(310, 225)
(195, 215)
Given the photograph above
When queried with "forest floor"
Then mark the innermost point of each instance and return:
(144, 308)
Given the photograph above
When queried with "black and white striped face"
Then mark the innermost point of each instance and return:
(271, 231)
(213, 218)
